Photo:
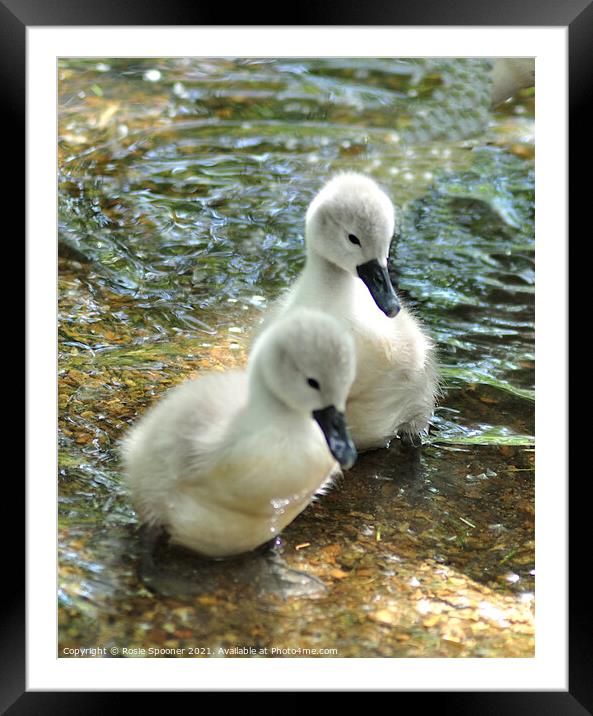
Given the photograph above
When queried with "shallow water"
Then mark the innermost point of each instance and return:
(182, 191)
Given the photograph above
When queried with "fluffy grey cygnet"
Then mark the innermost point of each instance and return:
(349, 227)
(224, 462)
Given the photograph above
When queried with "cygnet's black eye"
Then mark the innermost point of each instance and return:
(354, 239)
(313, 383)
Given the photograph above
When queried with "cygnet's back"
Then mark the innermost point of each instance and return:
(175, 437)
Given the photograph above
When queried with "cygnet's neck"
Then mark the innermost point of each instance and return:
(323, 284)
(263, 407)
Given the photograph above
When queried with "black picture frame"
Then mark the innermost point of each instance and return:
(577, 15)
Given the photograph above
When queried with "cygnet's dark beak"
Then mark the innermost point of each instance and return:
(340, 444)
(379, 284)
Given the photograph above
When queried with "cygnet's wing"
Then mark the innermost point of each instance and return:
(182, 433)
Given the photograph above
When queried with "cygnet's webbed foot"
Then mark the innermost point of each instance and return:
(150, 536)
(413, 440)
(266, 549)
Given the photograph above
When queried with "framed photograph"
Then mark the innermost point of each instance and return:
(364, 202)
